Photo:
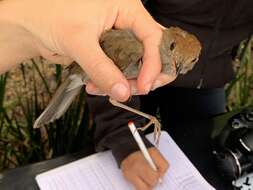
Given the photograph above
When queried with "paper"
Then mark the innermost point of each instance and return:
(100, 172)
(245, 182)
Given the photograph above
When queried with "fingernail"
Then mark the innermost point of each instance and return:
(119, 92)
(156, 85)
(160, 180)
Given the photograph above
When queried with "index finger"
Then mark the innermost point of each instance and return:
(161, 163)
(149, 33)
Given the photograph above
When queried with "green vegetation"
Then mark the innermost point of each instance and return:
(24, 93)
(239, 91)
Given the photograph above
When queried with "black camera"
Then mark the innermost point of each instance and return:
(233, 148)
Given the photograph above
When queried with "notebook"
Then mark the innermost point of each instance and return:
(100, 172)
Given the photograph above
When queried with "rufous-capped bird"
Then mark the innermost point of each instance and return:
(179, 52)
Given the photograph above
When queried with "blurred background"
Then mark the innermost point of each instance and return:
(26, 90)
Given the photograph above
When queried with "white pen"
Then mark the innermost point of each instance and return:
(141, 145)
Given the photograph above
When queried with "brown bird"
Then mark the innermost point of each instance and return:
(179, 52)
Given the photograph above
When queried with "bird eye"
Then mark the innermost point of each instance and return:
(172, 46)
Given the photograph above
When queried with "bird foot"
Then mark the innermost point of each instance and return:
(152, 119)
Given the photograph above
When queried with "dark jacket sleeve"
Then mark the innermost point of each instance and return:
(112, 131)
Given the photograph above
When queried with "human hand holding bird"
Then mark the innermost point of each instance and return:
(61, 37)
(179, 52)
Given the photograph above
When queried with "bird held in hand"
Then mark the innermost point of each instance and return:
(179, 52)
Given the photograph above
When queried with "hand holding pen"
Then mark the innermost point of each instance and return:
(139, 171)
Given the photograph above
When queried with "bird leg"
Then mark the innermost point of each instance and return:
(152, 119)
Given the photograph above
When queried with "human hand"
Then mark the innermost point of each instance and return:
(63, 31)
(138, 172)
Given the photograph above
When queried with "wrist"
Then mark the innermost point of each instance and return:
(16, 43)
(130, 147)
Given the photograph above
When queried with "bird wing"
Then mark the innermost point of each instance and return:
(122, 47)
(61, 100)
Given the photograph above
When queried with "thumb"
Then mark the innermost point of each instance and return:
(86, 51)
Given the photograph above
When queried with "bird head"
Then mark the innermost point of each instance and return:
(180, 48)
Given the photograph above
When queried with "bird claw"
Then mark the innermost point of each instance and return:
(157, 128)
(153, 120)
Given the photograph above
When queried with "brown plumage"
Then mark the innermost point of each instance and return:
(179, 52)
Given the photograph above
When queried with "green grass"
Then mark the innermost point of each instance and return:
(19, 142)
(239, 91)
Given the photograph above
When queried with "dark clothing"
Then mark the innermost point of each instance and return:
(177, 104)
(219, 25)
(111, 126)
(233, 20)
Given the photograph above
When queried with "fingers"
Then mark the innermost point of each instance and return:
(162, 80)
(142, 176)
(149, 33)
(137, 182)
(101, 70)
(161, 163)
(151, 66)
(138, 172)
(148, 175)
(92, 89)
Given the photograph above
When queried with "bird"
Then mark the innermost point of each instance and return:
(179, 52)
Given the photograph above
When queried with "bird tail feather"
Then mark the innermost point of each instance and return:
(61, 100)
